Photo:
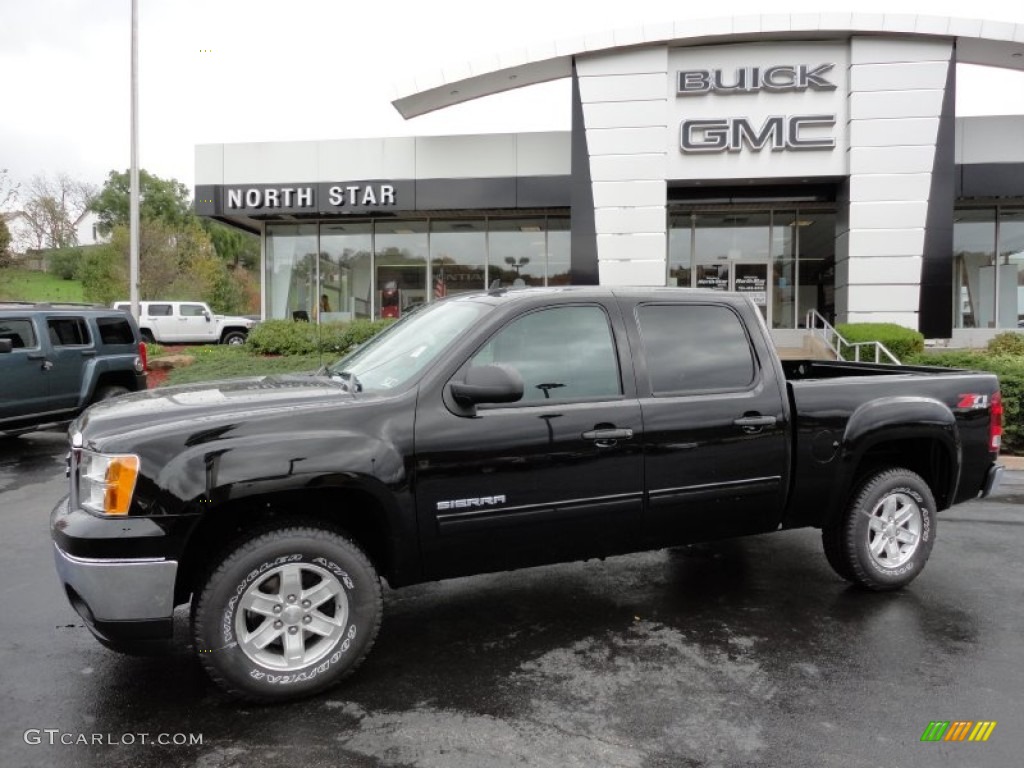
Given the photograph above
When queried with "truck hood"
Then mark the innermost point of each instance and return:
(204, 404)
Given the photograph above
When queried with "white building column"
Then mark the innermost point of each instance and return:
(895, 104)
(625, 111)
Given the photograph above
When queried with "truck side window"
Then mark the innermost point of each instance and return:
(192, 310)
(563, 353)
(159, 310)
(19, 332)
(114, 330)
(695, 348)
(68, 331)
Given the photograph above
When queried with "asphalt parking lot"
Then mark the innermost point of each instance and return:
(741, 653)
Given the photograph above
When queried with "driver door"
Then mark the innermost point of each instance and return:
(553, 477)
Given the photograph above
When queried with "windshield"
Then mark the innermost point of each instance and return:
(394, 357)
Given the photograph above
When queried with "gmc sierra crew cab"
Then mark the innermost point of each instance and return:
(491, 432)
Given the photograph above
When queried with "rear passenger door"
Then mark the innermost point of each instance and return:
(71, 349)
(24, 388)
(716, 455)
(160, 319)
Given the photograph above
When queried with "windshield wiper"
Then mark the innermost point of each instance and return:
(348, 380)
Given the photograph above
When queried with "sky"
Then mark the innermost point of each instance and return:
(213, 71)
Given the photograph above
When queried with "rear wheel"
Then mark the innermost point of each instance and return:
(286, 614)
(887, 533)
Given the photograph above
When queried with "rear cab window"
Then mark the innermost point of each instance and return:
(695, 348)
(115, 330)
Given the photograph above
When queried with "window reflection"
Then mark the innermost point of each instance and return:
(458, 255)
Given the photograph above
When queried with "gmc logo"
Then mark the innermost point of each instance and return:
(731, 134)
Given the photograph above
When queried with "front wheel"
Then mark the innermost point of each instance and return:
(234, 338)
(288, 613)
(887, 533)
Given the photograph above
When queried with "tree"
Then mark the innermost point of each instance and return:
(164, 200)
(233, 246)
(8, 189)
(5, 243)
(53, 208)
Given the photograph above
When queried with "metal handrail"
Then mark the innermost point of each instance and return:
(824, 330)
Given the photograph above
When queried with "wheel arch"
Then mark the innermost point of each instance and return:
(355, 510)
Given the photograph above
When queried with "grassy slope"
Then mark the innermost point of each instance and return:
(225, 362)
(25, 285)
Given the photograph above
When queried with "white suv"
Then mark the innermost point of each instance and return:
(178, 322)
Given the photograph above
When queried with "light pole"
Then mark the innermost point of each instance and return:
(133, 195)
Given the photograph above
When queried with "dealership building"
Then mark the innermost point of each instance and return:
(814, 162)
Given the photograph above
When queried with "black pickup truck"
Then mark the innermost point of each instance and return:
(491, 432)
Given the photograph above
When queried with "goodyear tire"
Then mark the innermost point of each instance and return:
(288, 613)
(888, 531)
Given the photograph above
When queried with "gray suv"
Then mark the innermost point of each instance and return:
(57, 359)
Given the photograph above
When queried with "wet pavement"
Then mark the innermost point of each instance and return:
(740, 653)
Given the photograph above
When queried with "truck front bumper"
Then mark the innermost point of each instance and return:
(122, 600)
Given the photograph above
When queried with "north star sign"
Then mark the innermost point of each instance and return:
(777, 132)
(304, 197)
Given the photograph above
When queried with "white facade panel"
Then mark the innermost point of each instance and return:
(635, 62)
(613, 272)
(883, 298)
(995, 139)
(270, 163)
(906, 319)
(209, 164)
(884, 270)
(454, 157)
(625, 114)
(623, 87)
(638, 220)
(626, 141)
(931, 25)
(886, 242)
(892, 159)
(925, 76)
(890, 186)
(891, 104)
(888, 215)
(628, 167)
(885, 50)
(544, 154)
(907, 132)
(635, 246)
(640, 194)
(393, 158)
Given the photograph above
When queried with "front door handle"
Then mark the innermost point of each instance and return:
(754, 423)
(47, 365)
(607, 438)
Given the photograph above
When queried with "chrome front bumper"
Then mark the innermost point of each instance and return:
(104, 590)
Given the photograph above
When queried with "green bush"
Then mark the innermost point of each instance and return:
(901, 341)
(1008, 343)
(64, 262)
(1009, 369)
(286, 337)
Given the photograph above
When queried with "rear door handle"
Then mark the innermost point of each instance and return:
(755, 423)
(88, 353)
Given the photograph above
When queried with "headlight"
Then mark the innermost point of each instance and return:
(106, 483)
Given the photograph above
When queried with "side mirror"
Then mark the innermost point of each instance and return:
(488, 384)
(6, 345)
(206, 315)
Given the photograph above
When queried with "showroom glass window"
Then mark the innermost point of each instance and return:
(458, 256)
(346, 285)
(559, 237)
(974, 240)
(290, 280)
(400, 263)
(1011, 269)
(517, 252)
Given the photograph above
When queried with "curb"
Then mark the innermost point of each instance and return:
(1012, 462)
